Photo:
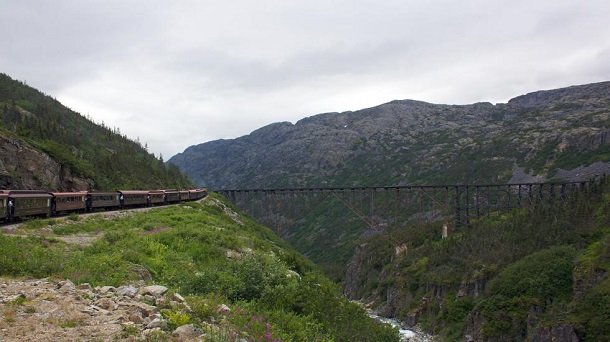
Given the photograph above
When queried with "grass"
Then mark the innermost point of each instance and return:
(201, 252)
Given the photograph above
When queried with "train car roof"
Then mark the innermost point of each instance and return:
(31, 195)
(64, 194)
(134, 192)
(11, 192)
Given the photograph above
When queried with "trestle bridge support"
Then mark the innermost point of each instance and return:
(396, 206)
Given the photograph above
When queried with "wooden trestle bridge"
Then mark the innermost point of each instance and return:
(396, 206)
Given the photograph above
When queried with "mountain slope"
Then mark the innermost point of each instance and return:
(238, 279)
(533, 274)
(36, 131)
(535, 136)
(554, 134)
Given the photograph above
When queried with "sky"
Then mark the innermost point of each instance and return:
(177, 73)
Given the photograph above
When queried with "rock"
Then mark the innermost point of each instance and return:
(135, 318)
(231, 254)
(187, 331)
(96, 308)
(156, 290)
(35, 169)
(107, 289)
(177, 297)
(106, 303)
(85, 286)
(145, 310)
(128, 291)
(410, 321)
(67, 286)
(157, 323)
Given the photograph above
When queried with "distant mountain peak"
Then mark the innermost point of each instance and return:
(539, 135)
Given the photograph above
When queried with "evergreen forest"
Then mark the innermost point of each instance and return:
(91, 150)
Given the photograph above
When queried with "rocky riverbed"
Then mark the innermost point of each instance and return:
(414, 334)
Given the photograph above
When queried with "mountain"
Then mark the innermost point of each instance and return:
(553, 134)
(45, 145)
(532, 274)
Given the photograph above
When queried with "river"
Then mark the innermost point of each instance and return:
(406, 335)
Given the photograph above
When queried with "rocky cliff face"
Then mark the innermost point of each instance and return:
(23, 167)
(541, 135)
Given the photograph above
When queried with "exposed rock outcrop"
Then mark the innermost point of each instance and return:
(23, 167)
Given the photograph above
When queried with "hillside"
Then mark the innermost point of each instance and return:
(563, 133)
(44, 145)
(536, 274)
(140, 275)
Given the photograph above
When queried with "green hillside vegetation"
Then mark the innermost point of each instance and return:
(505, 278)
(100, 153)
(206, 251)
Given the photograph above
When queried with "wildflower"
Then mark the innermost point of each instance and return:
(268, 326)
(232, 335)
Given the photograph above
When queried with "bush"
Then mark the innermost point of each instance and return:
(545, 275)
(541, 279)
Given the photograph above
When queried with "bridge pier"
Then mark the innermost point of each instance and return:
(378, 207)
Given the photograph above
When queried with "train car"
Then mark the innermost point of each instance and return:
(103, 200)
(68, 201)
(172, 196)
(157, 197)
(29, 203)
(184, 195)
(134, 198)
(4, 206)
(197, 194)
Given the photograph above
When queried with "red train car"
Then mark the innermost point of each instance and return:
(136, 198)
(103, 199)
(28, 203)
(68, 201)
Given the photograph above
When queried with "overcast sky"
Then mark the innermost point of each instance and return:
(182, 72)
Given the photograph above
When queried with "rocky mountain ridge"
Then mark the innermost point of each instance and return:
(537, 136)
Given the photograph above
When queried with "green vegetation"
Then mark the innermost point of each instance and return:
(100, 153)
(211, 258)
(505, 276)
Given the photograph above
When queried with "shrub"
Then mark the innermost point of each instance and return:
(545, 275)
(537, 280)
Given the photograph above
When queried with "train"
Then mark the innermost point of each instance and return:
(18, 204)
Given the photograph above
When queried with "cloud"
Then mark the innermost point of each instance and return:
(184, 72)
